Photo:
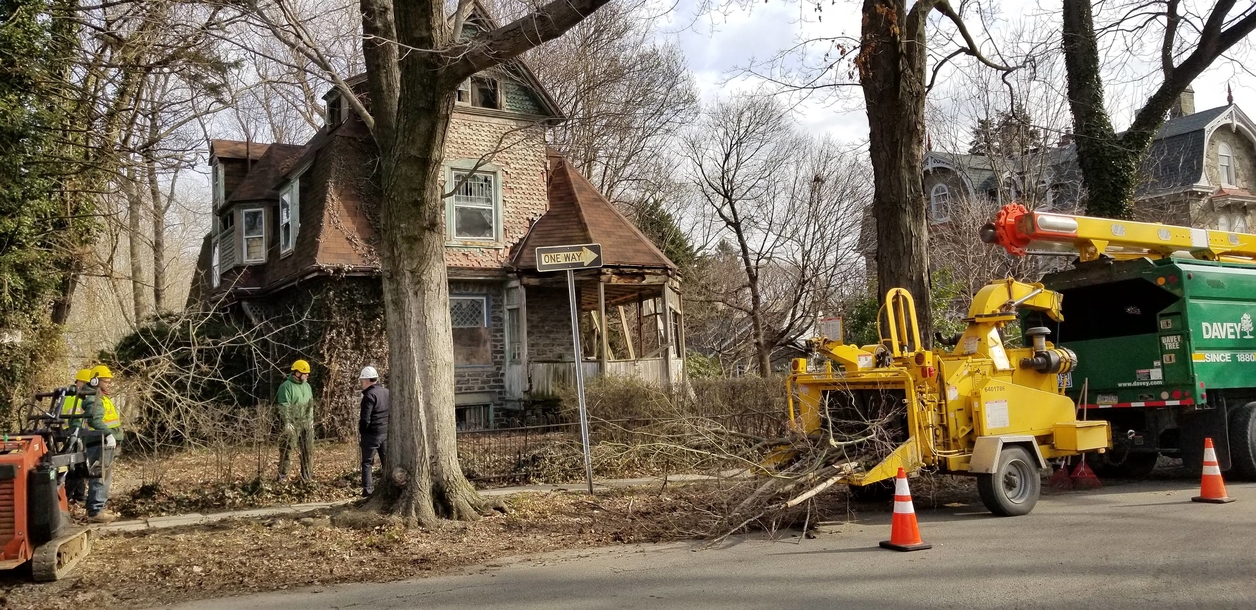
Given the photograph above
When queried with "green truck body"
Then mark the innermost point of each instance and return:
(1166, 353)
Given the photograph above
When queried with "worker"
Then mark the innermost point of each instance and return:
(372, 424)
(296, 413)
(102, 416)
(76, 486)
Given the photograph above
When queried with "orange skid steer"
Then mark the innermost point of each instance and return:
(35, 525)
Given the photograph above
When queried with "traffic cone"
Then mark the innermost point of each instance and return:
(1084, 477)
(1060, 479)
(1212, 488)
(904, 535)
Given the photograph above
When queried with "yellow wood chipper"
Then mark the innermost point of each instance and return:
(980, 409)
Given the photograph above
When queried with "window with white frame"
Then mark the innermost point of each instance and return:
(473, 209)
(1239, 223)
(1225, 164)
(468, 312)
(254, 235)
(333, 112)
(940, 203)
(514, 325)
(289, 215)
(215, 271)
(219, 180)
(481, 92)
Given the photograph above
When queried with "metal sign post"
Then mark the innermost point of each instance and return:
(569, 258)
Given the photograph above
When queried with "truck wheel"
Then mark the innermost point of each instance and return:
(1243, 441)
(1014, 487)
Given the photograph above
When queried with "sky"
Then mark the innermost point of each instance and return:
(720, 45)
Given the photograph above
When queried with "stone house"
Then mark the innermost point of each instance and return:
(293, 249)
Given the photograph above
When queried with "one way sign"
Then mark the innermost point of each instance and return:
(561, 258)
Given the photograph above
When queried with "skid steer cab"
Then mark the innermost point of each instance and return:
(972, 406)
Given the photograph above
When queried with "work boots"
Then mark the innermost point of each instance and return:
(102, 517)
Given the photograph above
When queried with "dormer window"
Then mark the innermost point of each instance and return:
(334, 110)
(1225, 163)
(289, 215)
(480, 92)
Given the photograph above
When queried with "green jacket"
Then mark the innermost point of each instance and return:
(296, 402)
(92, 405)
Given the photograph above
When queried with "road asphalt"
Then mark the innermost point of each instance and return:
(1136, 545)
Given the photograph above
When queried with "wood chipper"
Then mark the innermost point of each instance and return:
(34, 516)
(980, 409)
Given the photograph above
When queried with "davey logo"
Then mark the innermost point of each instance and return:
(1230, 330)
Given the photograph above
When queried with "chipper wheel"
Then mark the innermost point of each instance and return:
(57, 557)
(1013, 488)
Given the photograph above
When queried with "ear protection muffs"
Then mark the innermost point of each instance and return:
(95, 382)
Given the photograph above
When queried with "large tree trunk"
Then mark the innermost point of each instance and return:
(159, 207)
(1109, 171)
(892, 69)
(413, 105)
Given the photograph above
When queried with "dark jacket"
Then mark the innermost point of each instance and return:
(374, 418)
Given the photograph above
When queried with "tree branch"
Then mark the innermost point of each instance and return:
(504, 43)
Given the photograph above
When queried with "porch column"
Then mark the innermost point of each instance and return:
(604, 327)
(666, 347)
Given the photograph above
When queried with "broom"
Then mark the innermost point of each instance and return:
(1083, 476)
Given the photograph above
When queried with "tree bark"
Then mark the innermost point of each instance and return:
(158, 210)
(756, 298)
(891, 65)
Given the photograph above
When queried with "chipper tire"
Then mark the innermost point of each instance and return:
(1013, 489)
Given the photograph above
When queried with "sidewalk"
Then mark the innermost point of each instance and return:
(296, 509)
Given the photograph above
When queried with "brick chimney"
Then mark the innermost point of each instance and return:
(1185, 104)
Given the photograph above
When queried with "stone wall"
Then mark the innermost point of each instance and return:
(549, 324)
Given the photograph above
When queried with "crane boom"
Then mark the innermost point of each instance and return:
(1021, 231)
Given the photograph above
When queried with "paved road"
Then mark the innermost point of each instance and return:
(1136, 545)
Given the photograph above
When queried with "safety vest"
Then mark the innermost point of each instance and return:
(112, 419)
(70, 406)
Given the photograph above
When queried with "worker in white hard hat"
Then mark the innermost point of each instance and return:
(372, 424)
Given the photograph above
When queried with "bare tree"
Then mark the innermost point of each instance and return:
(1187, 44)
(784, 208)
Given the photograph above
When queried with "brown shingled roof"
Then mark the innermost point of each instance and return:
(234, 149)
(579, 214)
(262, 180)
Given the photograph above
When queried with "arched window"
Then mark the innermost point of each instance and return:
(1239, 223)
(1223, 222)
(1225, 164)
(940, 203)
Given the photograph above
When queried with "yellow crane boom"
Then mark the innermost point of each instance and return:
(1021, 231)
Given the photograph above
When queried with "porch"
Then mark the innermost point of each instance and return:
(631, 326)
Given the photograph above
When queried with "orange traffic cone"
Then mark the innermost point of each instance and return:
(904, 535)
(1084, 477)
(1212, 488)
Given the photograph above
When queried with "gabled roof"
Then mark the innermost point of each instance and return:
(579, 214)
(263, 180)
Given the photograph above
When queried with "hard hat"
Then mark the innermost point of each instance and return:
(301, 366)
(84, 375)
(369, 373)
(103, 372)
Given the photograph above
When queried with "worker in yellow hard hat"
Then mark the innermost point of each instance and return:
(76, 486)
(295, 401)
(102, 416)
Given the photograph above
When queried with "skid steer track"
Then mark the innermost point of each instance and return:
(54, 559)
